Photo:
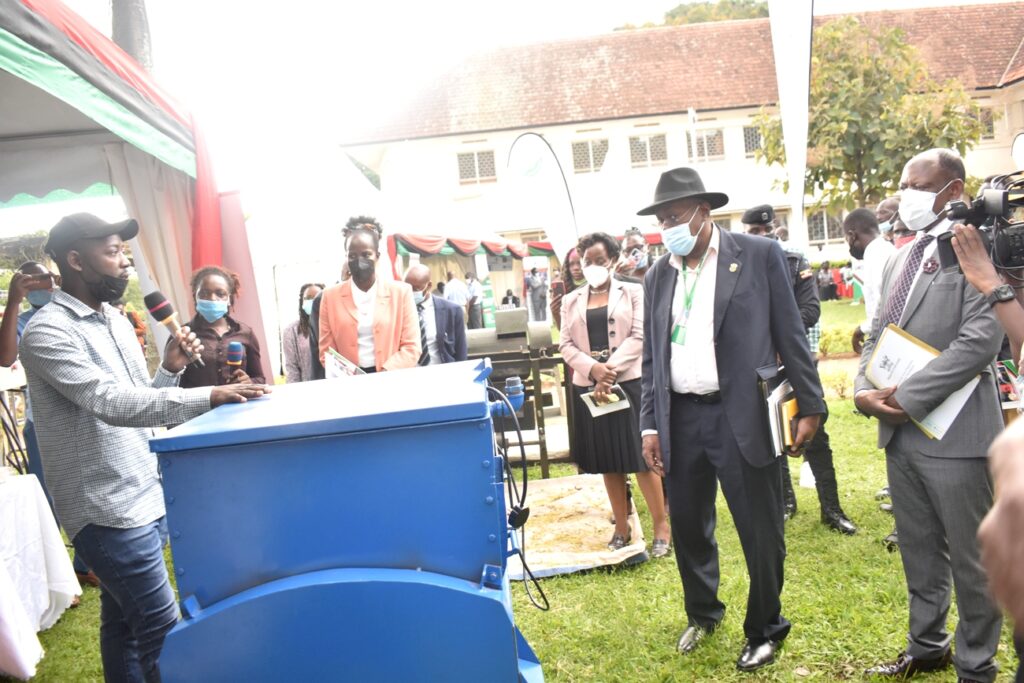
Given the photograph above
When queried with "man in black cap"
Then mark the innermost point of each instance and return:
(95, 405)
(718, 307)
(760, 220)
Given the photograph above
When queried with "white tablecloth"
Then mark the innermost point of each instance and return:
(37, 581)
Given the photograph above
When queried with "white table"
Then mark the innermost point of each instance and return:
(37, 581)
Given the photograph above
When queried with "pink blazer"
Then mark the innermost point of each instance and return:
(396, 327)
(625, 332)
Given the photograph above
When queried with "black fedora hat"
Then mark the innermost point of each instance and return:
(682, 183)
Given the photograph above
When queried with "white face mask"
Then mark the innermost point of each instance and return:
(917, 208)
(596, 276)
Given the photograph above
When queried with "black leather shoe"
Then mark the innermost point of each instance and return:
(789, 511)
(892, 542)
(692, 637)
(885, 507)
(906, 666)
(882, 494)
(838, 521)
(754, 656)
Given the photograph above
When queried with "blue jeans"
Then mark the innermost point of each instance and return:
(35, 466)
(137, 606)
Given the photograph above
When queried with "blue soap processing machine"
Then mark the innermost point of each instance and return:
(354, 529)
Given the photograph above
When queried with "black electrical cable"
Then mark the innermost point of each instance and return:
(521, 499)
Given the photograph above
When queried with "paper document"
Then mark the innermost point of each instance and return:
(780, 406)
(897, 356)
(617, 400)
(336, 365)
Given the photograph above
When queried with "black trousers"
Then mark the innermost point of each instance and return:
(818, 455)
(705, 453)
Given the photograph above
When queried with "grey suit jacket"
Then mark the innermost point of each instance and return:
(947, 313)
(756, 319)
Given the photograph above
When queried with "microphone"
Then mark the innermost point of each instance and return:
(236, 354)
(163, 312)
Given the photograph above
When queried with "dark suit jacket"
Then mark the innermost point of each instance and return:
(451, 330)
(756, 318)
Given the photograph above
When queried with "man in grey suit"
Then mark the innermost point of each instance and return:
(942, 486)
(716, 309)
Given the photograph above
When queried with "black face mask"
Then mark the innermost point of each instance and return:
(857, 253)
(361, 267)
(108, 288)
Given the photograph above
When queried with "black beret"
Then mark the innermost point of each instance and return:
(759, 215)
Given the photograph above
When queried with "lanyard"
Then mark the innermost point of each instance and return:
(679, 330)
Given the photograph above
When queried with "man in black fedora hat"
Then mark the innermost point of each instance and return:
(718, 307)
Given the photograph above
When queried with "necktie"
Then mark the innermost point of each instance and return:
(424, 354)
(897, 300)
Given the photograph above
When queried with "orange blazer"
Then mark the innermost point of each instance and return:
(625, 332)
(396, 327)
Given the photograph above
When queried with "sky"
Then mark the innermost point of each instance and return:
(252, 72)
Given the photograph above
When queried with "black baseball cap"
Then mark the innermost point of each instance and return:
(78, 226)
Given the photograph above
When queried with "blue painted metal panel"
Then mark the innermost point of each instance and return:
(426, 498)
(435, 393)
(350, 625)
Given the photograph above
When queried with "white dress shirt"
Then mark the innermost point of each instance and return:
(876, 255)
(693, 366)
(457, 292)
(365, 303)
(430, 324)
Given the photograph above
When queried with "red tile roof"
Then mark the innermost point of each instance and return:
(710, 66)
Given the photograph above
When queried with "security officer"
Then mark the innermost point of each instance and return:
(760, 220)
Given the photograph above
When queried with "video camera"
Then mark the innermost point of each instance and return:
(991, 212)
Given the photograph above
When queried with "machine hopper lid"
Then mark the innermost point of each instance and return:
(403, 398)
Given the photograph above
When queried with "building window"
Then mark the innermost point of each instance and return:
(588, 155)
(724, 222)
(824, 228)
(988, 122)
(706, 145)
(476, 167)
(648, 150)
(751, 140)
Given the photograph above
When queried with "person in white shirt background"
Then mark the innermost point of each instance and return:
(865, 241)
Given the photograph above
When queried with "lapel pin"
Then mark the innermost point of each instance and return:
(930, 266)
(733, 267)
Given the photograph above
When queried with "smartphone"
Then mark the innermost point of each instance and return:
(558, 288)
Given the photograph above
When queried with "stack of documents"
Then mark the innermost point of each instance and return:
(898, 355)
(780, 405)
(336, 365)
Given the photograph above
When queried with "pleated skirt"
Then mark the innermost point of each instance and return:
(610, 443)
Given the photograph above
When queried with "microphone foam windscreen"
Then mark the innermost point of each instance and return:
(159, 307)
(236, 353)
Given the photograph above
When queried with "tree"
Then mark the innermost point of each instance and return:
(701, 12)
(723, 10)
(873, 106)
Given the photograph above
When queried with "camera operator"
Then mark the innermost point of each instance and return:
(981, 273)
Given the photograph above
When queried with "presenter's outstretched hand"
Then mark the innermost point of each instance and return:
(236, 393)
(652, 454)
(880, 403)
(181, 345)
(806, 427)
(974, 260)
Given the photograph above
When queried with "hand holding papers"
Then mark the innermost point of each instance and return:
(336, 365)
(616, 401)
(896, 357)
(780, 406)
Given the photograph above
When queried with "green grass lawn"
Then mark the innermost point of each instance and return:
(845, 596)
(842, 313)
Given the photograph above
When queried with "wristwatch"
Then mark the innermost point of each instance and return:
(1000, 294)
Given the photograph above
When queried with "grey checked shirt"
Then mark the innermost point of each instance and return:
(95, 406)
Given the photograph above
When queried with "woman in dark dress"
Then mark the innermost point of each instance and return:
(215, 290)
(602, 341)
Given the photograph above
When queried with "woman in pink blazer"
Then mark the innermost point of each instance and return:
(602, 341)
(371, 322)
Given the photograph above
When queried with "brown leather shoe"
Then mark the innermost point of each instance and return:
(88, 579)
(906, 665)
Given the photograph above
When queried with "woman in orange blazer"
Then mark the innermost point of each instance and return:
(370, 321)
(602, 341)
